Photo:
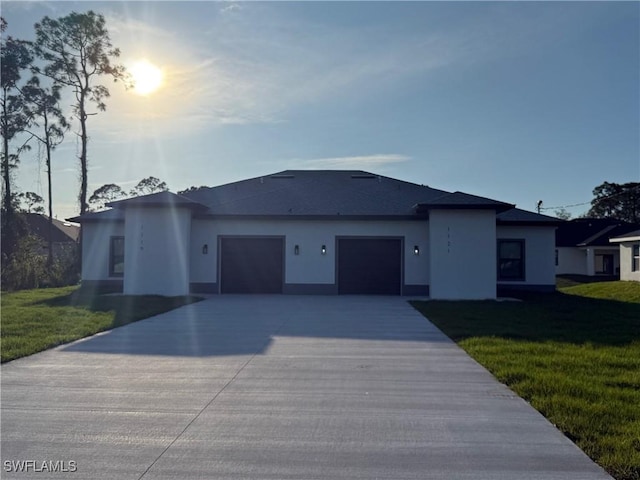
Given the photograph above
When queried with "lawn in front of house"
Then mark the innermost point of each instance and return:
(574, 355)
(34, 320)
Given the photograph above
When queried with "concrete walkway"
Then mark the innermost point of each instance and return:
(275, 387)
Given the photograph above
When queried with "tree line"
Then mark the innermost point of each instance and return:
(610, 200)
(31, 202)
(71, 53)
(111, 192)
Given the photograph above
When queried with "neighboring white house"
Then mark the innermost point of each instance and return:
(583, 247)
(318, 232)
(629, 246)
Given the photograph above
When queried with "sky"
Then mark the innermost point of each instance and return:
(514, 101)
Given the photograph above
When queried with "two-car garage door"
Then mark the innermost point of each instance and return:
(364, 265)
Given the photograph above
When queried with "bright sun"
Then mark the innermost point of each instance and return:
(147, 78)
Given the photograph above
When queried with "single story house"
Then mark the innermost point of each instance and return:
(629, 245)
(318, 232)
(583, 247)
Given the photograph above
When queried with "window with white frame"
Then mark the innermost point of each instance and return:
(635, 257)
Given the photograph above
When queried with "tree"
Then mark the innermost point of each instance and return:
(44, 104)
(147, 186)
(619, 201)
(562, 213)
(76, 50)
(33, 203)
(14, 61)
(105, 194)
(191, 189)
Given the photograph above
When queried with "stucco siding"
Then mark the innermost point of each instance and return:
(156, 251)
(626, 269)
(202, 262)
(462, 254)
(582, 261)
(539, 246)
(96, 239)
(310, 266)
(571, 260)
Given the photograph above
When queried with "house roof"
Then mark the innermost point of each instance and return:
(113, 215)
(628, 237)
(318, 194)
(460, 200)
(61, 232)
(160, 199)
(585, 232)
(516, 216)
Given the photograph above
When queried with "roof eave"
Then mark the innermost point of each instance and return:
(534, 223)
(192, 206)
(426, 207)
(307, 217)
(624, 239)
(95, 220)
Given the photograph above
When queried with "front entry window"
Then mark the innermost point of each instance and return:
(116, 257)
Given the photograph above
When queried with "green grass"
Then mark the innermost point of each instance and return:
(563, 281)
(574, 355)
(34, 320)
(618, 291)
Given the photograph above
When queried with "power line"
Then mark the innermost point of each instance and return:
(592, 202)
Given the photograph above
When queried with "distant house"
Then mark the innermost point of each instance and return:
(318, 232)
(629, 245)
(63, 234)
(583, 246)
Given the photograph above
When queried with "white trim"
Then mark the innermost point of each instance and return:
(624, 239)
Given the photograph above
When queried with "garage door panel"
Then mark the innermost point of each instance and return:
(369, 266)
(251, 265)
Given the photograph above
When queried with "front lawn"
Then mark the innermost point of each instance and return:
(574, 355)
(34, 320)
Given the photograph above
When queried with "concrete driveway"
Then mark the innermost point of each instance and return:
(274, 387)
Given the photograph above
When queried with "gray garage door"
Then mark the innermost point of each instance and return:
(369, 266)
(251, 264)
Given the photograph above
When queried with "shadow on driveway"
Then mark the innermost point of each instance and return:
(241, 324)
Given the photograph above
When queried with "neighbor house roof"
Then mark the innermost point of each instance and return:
(61, 232)
(586, 232)
(317, 194)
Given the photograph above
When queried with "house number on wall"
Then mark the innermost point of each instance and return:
(448, 239)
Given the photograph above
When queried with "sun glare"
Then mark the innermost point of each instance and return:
(147, 78)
